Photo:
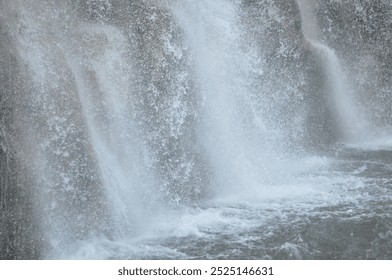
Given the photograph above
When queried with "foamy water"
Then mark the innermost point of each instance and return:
(335, 207)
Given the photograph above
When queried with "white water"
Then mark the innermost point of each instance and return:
(221, 67)
(103, 81)
(113, 143)
(353, 125)
(95, 58)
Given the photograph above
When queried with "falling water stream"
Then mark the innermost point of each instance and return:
(351, 124)
(222, 129)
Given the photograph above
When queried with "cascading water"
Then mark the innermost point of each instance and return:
(193, 129)
(352, 125)
(222, 69)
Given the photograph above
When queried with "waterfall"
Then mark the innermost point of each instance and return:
(142, 129)
(103, 84)
(353, 126)
(213, 37)
(351, 123)
(92, 172)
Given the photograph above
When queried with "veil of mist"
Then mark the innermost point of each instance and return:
(196, 129)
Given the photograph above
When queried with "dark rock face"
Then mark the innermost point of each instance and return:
(18, 232)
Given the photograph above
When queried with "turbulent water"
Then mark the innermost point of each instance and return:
(184, 129)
